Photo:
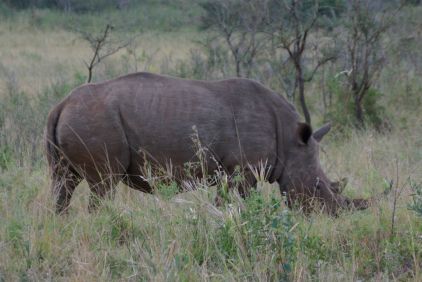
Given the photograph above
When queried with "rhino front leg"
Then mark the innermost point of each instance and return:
(242, 184)
(246, 184)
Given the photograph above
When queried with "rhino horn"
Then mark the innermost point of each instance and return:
(319, 133)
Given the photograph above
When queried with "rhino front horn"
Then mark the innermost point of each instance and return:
(320, 133)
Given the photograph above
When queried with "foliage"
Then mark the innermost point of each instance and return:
(342, 108)
(167, 190)
(375, 114)
(268, 226)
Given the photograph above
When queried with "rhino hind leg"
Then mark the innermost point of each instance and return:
(138, 183)
(64, 182)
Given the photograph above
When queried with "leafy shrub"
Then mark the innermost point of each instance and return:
(342, 108)
(263, 227)
(167, 190)
(375, 114)
(269, 226)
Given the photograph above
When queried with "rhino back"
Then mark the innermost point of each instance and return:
(236, 120)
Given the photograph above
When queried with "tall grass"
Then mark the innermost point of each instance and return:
(185, 237)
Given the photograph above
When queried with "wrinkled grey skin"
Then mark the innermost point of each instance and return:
(105, 132)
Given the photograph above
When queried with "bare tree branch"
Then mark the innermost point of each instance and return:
(101, 45)
(292, 33)
(238, 23)
(320, 63)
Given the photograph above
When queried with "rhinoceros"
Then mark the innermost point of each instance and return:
(107, 132)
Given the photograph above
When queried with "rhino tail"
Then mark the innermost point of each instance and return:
(51, 142)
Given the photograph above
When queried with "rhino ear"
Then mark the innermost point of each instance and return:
(304, 132)
(319, 134)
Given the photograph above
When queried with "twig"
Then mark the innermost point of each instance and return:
(98, 44)
(393, 215)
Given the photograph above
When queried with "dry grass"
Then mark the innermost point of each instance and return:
(37, 58)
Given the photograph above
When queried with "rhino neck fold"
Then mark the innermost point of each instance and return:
(277, 171)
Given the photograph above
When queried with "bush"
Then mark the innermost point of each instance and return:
(375, 114)
(262, 228)
(270, 227)
(341, 111)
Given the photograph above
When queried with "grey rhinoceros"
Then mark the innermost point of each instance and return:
(106, 132)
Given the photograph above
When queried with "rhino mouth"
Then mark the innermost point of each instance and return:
(334, 202)
(357, 204)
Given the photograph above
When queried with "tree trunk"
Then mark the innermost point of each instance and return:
(238, 68)
(301, 83)
(90, 67)
(359, 112)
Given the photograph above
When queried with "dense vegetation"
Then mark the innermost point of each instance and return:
(45, 48)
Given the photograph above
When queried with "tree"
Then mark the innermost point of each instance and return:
(102, 46)
(289, 25)
(366, 21)
(238, 24)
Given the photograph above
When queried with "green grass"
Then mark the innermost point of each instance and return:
(163, 16)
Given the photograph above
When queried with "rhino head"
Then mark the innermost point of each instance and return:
(303, 179)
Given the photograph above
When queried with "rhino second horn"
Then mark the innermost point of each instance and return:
(357, 204)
